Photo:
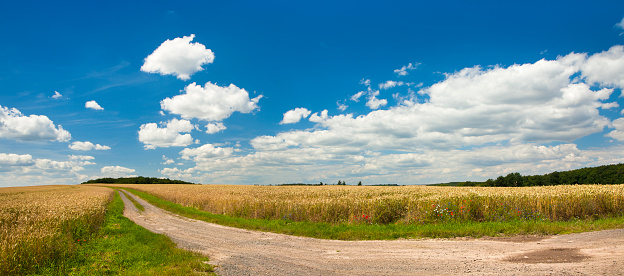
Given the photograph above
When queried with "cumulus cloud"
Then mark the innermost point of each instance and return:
(179, 174)
(319, 118)
(14, 125)
(214, 128)
(178, 57)
(403, 70)
(116, 171)
(85, 146)
(167, 161)
(81, 158)
(210, 102)
(341, 106)
(295, 115)
(373, 102)
(204, 152)
(57, 95)
(93, 105)
(388, 84)
(521, 153)
(606, 68)
(153, 136)
(356, 97)
(618, 133)
(12, 159)
(23, 168)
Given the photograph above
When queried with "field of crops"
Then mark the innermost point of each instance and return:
(42, 223)
(404, 204)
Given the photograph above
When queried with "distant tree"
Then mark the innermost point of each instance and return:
(360, 183)
(136, 180)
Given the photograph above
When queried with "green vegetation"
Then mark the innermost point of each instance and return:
(135, 180)
(136, 204)
(373, 231)
(124, 248)
(607, 174)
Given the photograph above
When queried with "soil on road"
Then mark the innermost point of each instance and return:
(242, 252)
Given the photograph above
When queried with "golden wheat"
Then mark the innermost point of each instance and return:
(404, 204)
(42, 222)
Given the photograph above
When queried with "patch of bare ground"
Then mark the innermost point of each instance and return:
(242, 252)
(552, 255)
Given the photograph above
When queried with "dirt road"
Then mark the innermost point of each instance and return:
(242, 252)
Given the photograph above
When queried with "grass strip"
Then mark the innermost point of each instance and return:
(123, 248)
(392, 231)
(136, 204)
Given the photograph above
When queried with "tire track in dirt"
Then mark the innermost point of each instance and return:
(243, 252)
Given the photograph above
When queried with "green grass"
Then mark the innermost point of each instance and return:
(123, 248)
(393, 231)
(136, 204)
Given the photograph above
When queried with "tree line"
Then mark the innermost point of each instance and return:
(607, 174)
(136, 180)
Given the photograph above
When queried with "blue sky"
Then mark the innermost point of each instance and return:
(248, 92)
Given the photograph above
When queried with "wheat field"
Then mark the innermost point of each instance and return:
(402, 204)
(41, 223)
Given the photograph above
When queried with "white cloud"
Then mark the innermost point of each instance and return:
(167, 136)
(85, 146)
(176, 173)
(204, 152)
(212, 128)
(18, 170)
(178, 57)
(356, 97)
(167, 161)
(93, 105)
(388, 84)
(521, 153)
(403, 70)
(14, 125)
(12, 159)
(618, 133)
(101, 147)
(57, 95)
(373, 102)
(319, 119)
(606, 68)
(116, 171)
(24, 169)
(341, 106)
(81, 157)
(295, 115)
(211, 102)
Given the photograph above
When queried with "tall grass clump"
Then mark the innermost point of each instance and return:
(399, 205)
(42, 224)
